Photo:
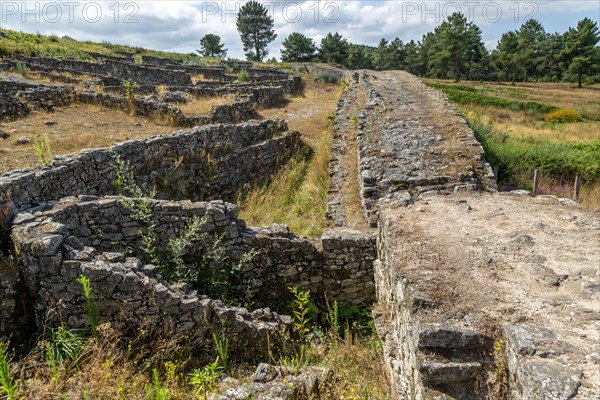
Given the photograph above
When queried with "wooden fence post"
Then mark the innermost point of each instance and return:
(577, 186)
(495, 170)
(536, 181)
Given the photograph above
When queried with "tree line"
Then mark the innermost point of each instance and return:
(454, 50)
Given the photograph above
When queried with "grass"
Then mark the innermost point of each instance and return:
(203, 105)
(521, 132)
(461, 94)
(297, 194)
(8, 386)
(37, 45)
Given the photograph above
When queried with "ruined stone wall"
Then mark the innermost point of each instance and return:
(123, 289)
(125, 71)
(11, 108)
(59, 242)
(338, 266)
(177, 166)
(427, 356)
(412, 141)
(91, 171)
(48, 97)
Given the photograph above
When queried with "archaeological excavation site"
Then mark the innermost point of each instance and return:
(133, 215)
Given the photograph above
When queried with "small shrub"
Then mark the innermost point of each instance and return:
(197, 62)
(130, 89)
(43, 150)
(563, 115)
(155, 391)
(63, 345)
(204, 379)
(327, 77)
(222, 350)
(243, 76)
(301, 309)
(22, 69)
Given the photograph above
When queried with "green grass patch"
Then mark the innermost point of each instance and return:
(520, 155)
(462, 94)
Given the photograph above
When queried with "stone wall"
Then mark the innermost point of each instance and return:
(11, 108)
(407, 144)
(425, 358)
(212, 162)
(338, 266)
(46, 98)
(126, 292)
(91, 171)
(123, 70)
(58, 242)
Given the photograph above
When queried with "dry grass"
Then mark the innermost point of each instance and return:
(297, 195)
(359, 370)
(353, 208)
(308, 113)
(564, 95)
(78, 127)
(523, 124)
(202, 105)
(110, 366)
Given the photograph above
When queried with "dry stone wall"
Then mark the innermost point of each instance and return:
(122, 70)
(92, 171)
(338, 266)
(244, 155)
(411, 141)
(51, 246)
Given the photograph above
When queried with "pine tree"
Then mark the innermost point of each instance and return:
(334, 49)
(210, 46)
(411, 57)
(456, 47)
(397, 54)
(381, 56)
(506, 56)
(530, 38)
(580, 50)
(298, 47)
(256, 30)
(552, 48)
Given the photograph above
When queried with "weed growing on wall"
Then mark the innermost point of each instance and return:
(212, 270)
(204, 380)
(22, 70)
(90, 310)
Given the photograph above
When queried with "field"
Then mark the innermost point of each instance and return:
(553, 127)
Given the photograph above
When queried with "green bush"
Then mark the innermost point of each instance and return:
(518, 155)
(243, 76)
(468, 95)
(327, 77)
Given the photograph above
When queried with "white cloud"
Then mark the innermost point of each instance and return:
(179, 25)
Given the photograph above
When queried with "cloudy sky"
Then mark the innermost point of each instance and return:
(179, 25)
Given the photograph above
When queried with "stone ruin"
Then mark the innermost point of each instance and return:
(411, 150)
(65, 219)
